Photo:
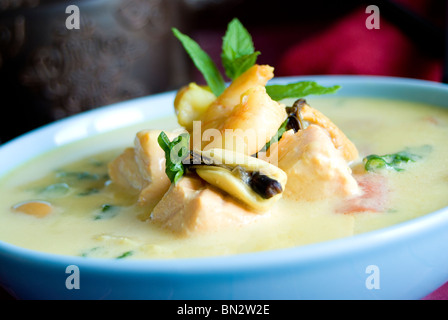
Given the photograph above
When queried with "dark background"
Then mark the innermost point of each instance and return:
(125, 48)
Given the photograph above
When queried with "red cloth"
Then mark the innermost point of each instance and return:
(439, 294)
(348, 47)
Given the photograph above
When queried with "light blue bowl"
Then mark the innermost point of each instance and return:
(406, 261)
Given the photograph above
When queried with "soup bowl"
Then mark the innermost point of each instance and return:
(408, 260)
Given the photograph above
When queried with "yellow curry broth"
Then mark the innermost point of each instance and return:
(92, 218)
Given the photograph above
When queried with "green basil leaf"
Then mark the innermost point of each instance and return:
(125, 254)
(234, 68)
(203, 62)
(394, 161)
(237, 40)
(175, 152)
(277, 136)
(164, 142)
(107, 211)
(298, 90)
(238, 52)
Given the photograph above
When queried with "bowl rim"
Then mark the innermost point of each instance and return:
(304, 254)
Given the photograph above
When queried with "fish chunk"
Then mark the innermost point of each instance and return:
(339, 139)
(151, 157)
(125, 173)
(315, 168)
(193, 206)
(141, 169)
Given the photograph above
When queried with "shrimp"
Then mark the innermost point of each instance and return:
(245, 112)
(243, 118)
(249, 125)
(257, 75)
(190, 104)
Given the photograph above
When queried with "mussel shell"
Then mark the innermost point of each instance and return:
(223, 177)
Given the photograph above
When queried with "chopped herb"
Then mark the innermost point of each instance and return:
(175, 152)
(107, 211)
(125, 255)
(203, 62)
(395, 161)
(276, 136)
(97, 163)
(88, 252)
(298, 90)
(81, 175)
(238, 53)
(106, 207)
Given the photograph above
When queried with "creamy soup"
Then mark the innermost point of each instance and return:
(90, 217)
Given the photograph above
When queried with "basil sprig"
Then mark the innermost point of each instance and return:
(238, 55)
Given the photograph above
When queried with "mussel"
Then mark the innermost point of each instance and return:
(295, 119)
(253, 181)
